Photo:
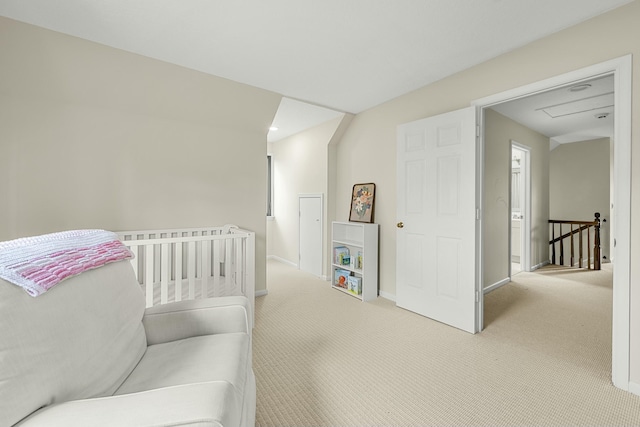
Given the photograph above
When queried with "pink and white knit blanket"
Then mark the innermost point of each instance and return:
(38, 263)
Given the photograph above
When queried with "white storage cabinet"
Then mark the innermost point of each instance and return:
(361, 242)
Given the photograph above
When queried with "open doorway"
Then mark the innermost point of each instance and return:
(298, 145)
(520, 202)
(620, 69)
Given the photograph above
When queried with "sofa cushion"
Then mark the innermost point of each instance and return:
(81, 339)
(190, 318)
(195, 405)
(223, 357)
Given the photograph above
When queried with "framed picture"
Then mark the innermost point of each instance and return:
(362, 203)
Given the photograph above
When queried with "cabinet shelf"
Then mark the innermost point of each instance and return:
(348, 242)
(346, 291)
(346, 267)
(359, 240)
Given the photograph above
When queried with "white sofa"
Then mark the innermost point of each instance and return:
(87, 353)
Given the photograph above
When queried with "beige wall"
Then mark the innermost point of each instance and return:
(92, 136)
(579, 184)
(367, 151)
(300, 165)
(499, 132)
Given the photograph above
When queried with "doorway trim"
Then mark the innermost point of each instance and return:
(621, 69)
(525, 253)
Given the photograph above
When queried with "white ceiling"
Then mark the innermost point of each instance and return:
(565, 115)
(345, 55)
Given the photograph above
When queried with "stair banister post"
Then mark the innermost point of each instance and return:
(596, 244)
(572, 257)
(561, 246)
(553, 247)
(589, 248)
(580, 255)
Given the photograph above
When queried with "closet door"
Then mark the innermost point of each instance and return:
(310, 257)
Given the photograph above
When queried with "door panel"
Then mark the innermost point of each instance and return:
(414, 256)
(447, 262)
(448, 185)
(436, 246)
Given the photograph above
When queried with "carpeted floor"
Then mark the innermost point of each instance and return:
(323, 358)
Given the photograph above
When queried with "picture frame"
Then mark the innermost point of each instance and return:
(362, 203)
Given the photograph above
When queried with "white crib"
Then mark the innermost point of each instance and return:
(190, 263)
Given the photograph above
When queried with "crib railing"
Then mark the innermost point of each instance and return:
(177, 264)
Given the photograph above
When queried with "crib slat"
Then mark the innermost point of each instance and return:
(156, 258)
(205, 266)
(178, 272)
(228, 267)
(164, 273)
(239, 263)
(148, 273)
(191, 272)
(216, 269)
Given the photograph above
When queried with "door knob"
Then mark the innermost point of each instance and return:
(400, 225)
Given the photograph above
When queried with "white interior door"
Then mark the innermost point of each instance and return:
(436, 213)
(523, 153)
(311, 234)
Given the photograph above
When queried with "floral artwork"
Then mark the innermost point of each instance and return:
(362, 203)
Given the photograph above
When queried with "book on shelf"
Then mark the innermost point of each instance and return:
(341, 255)
(342, 278)
(355, 261)
(354, 285)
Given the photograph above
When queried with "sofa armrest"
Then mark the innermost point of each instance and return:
(208, 404)
(192, 318)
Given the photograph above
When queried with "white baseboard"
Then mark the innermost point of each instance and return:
(387, 295)
(282, 260)
(496, 285)
(261, 293)
(634, 388)
(542, 264)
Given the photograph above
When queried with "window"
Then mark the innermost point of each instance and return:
(269, 186)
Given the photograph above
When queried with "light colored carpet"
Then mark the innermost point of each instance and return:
(323, 358)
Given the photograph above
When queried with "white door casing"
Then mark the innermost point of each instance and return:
(621, 68)
(436, 214)
(310, 252)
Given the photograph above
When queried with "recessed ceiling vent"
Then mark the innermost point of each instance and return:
(580, 87)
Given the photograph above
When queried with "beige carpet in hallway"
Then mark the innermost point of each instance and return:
(323, 358)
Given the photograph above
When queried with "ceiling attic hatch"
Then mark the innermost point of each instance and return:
(578, 106)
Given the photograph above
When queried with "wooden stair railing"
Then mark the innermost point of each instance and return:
(580, 227)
